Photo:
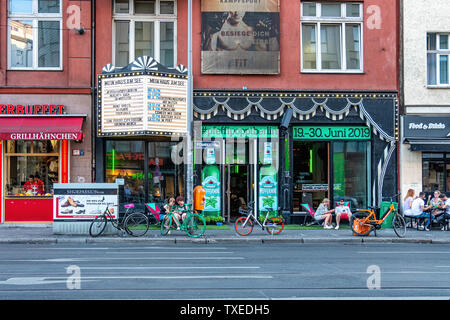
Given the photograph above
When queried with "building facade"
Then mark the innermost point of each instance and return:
(45, 103)
(333, 66)
(426, 95)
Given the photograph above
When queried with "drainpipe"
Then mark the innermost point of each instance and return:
(93, 91)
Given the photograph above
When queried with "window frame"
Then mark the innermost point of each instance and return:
(342, 22)
(438, 52)
(156, 18)
(8, 155)
(35, 17)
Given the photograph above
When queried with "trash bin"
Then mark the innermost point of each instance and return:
(384, 208)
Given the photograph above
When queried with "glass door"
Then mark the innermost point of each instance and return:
(351, 172)
(310, 173)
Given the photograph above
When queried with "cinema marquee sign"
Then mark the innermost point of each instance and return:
(142, 103)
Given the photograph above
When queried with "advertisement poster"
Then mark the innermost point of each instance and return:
(211, 183)
(268, 189)
(142, 104)
(84, 201)
(240, 37)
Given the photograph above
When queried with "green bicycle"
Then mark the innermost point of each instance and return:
(193, 224)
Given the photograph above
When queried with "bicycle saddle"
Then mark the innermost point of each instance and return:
(128, 206)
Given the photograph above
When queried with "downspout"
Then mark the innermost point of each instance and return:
(93, 91)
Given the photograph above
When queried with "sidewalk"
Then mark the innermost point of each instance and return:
(43, 234)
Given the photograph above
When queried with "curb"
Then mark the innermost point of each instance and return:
(207, 240)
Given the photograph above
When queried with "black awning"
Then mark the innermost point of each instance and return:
(429, 145)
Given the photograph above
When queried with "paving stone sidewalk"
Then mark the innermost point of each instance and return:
(43, 233)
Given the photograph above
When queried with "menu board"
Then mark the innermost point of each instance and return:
(138, 104)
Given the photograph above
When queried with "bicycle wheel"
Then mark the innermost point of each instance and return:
(195, 225)
(399, 225)
(136, 224)
(98, 226)
(166, 224)
(358, 226)
(242, 228)
(274, 225)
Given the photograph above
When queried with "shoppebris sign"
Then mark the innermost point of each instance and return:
(139, 103)
(31, 109)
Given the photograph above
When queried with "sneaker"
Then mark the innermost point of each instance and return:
(328, 227)
(427, 229)
(337, 228)
(420, 227)
(443, 228)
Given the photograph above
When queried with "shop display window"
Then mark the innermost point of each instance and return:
(31, 167)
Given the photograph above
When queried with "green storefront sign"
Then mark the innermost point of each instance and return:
(240, 132)
(331, 133)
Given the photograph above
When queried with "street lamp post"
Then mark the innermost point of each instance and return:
(188, 153)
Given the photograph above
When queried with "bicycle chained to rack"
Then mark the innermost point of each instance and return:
(244, 225)
(135, 224)
(364, 221)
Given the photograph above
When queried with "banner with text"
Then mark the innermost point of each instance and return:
(139, 104)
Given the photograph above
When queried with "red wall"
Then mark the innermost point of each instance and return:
(380, 52)
(76, 54)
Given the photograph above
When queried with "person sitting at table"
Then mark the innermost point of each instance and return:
(342, 210)
(419, 210)
(445, 216)
(324, 213)
(407, 203)
(436, 204)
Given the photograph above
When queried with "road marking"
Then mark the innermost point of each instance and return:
(163, 267)
(126, 258)
(53, 280)
(404, 252)
(174, 252)
(133, 248)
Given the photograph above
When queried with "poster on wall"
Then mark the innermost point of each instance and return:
(138, 104)
(84, 201)
(240, 37)
(268, 187)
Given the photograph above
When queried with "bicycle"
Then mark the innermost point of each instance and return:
(365, 221)
(193, 224)
(244, 225)
(135, 224)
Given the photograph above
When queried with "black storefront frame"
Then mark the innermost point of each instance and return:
(446, 161)
(331, 157)
(101, 166)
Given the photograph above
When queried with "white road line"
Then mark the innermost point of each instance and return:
(52, 280)
(125, 258)
(133, 248)
(173, 252)
(404, 252)
(163, 267)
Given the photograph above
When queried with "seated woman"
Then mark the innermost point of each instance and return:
(436, 204)
(408, 200)
(178, 214)
(323, 213)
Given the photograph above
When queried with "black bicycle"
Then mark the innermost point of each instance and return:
(135, 224)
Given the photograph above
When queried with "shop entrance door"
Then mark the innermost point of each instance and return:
(240, 177)
(311, 173)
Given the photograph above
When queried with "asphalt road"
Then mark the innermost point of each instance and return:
(196, 271)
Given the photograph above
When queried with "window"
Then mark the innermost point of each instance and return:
(438, 52)
(436, 172)
(144, 28)
(24, 159)
(331, 37)
(34, 34)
